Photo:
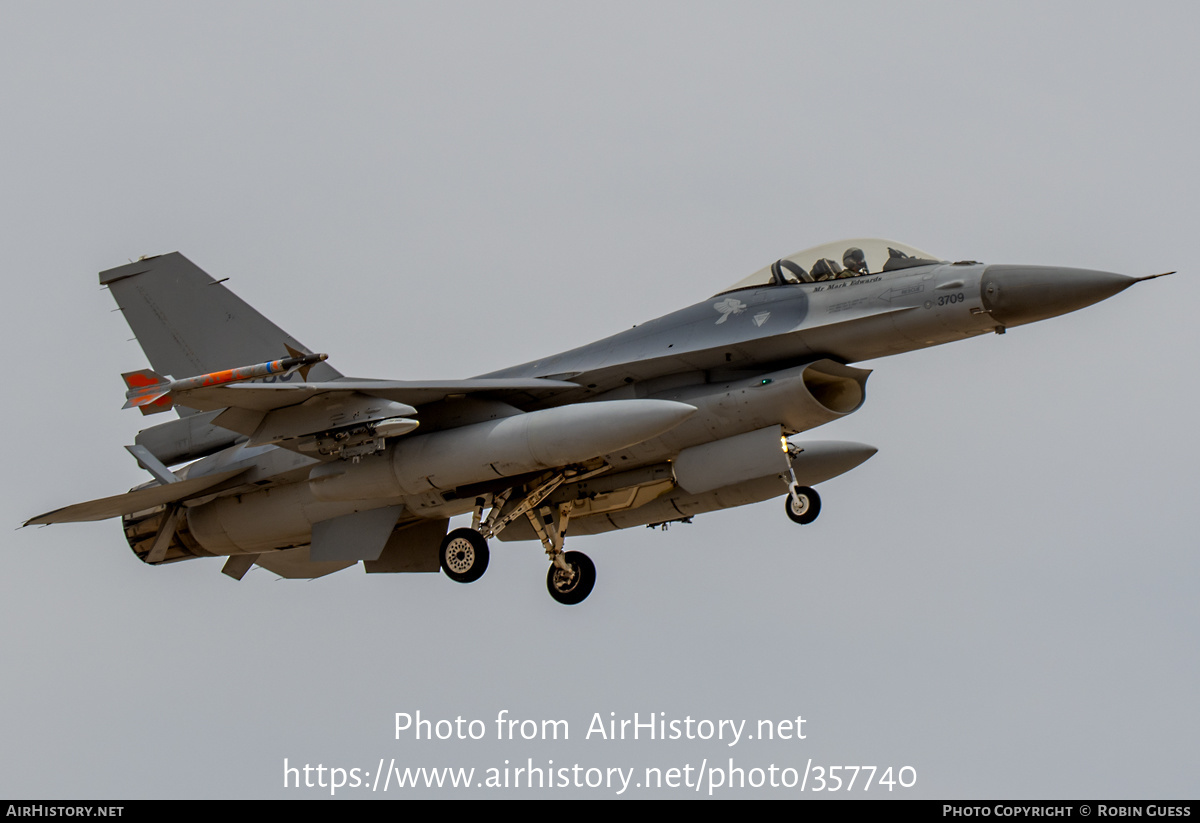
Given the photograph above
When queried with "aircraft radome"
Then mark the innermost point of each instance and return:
(287, 464)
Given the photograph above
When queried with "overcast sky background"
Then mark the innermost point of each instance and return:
(1003, 598)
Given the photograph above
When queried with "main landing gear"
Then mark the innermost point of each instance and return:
(464, 555)
(464, 552)
(574, 583)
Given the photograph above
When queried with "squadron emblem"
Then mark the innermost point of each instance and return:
(728, 306)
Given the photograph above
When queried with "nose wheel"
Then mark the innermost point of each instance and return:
(802, 504)
(573, 584)
(464, 555)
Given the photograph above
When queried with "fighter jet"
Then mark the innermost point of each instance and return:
(285, 463)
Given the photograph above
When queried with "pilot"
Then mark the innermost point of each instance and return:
(826, 269)
(855, 262)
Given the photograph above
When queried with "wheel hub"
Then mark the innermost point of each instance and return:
(460, 556)
(564, 581)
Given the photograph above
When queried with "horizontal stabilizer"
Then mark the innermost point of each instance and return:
(186, 439)
(134, 501)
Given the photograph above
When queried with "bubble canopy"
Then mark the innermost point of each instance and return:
(880, 256)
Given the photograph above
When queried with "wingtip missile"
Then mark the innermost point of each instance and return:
(152, 393)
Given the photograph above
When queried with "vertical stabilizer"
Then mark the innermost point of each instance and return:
(189, 324)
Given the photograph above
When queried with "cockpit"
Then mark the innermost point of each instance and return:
(836, 261)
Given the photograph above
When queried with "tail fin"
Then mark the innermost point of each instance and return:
(187, 323)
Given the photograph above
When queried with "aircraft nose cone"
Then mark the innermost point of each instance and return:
(1023, 294)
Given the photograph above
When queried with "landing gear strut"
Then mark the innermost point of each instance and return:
(571, 576)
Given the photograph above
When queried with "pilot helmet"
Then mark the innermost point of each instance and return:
(855, 260)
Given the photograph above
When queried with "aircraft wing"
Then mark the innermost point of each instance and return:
(134, 501)
(265, 397)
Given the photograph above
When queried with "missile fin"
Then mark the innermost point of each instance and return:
(142, 379)
(147, 391)
(162, 404)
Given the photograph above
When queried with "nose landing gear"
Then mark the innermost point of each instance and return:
(802, 504)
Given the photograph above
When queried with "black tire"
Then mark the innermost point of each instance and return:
(809, 508)
(570, 592)
(464, 555)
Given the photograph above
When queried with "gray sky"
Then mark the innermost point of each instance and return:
(1002, 599)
